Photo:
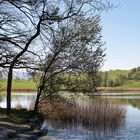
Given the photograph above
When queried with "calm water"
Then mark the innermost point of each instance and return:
(128, 130)
(25, 100)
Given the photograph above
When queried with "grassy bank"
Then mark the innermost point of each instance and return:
(118, 89)
(19, 85)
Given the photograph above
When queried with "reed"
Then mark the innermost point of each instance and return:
(18, 106)
(88, 112)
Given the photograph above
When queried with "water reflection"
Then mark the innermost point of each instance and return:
(71, 131)
(77, 132)
(128, 128)
(21, 100)
(124, 100)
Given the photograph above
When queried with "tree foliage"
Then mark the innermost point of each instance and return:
(51, 37)
(134, 73)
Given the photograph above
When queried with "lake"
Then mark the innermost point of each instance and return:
(128, 129)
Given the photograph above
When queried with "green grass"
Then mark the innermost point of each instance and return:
(19, 85)
(132, 84)
(113, 74)
(29, 85)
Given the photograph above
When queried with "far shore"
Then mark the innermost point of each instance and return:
(100, 89)
(117, 89)
(20, 90)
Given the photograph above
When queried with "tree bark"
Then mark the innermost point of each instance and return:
(9, 80)
(37, 102)
(9, 87)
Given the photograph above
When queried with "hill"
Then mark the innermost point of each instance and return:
(121, 78)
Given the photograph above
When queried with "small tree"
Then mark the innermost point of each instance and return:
(105, 83)
(75, 49)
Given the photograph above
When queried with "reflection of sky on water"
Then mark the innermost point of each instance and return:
(133, 114)
(123, 97)
(22, 99)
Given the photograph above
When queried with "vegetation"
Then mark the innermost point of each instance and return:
(60, 44)
(118, 79)
(48, 38)
(19, 85)
(84, 110)
(121, 78)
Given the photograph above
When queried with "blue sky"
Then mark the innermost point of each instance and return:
(121, 32)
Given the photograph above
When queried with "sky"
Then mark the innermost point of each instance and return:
(121, 32)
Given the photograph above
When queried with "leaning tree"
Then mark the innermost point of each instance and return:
(26, 25)
(74, 46)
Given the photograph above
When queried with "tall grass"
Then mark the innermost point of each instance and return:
(88, 112)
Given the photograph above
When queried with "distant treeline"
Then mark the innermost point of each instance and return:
(115, 78)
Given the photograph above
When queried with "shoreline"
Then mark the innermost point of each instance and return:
(100, 89)
(117, 89)
(20, 90)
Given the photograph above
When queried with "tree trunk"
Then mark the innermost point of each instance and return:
(9, 87)
(37, 102)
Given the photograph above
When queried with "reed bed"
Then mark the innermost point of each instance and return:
(88, 112)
